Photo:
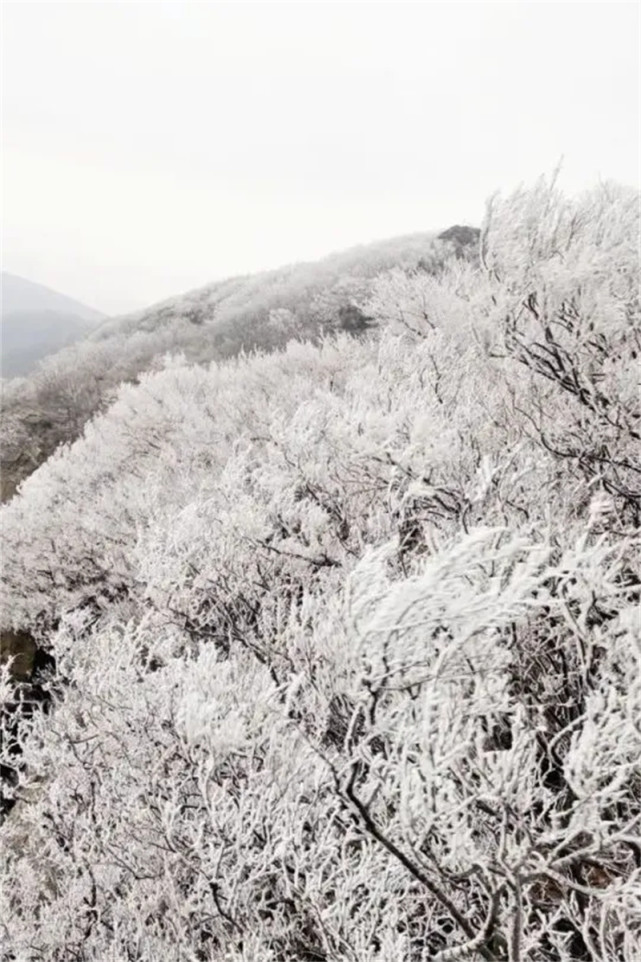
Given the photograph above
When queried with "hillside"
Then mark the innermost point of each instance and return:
(221, 320)
(36, 321)
(343, 659)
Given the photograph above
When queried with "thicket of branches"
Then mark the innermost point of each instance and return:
(221, 320)
(346, 637)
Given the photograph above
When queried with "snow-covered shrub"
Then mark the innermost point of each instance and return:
(347, 637)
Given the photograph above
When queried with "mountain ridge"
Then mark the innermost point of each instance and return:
(20, 293)
(211, 323)
(37, 321)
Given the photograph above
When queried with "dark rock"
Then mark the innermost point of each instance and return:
(461, 235)
(20, 648)
(32, 674)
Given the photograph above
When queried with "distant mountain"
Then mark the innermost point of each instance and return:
(36, 321)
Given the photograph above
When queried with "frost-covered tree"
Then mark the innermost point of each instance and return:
(221, 320)
(346, 637)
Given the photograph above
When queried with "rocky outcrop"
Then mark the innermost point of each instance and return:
(31, 670)
(19, 648)
(461, 235)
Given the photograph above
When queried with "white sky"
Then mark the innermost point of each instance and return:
(152, 147)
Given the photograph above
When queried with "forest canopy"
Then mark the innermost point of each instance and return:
(344, 634)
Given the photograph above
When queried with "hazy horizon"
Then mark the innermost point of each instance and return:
(153, 148)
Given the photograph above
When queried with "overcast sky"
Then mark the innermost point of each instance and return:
(152, 147)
